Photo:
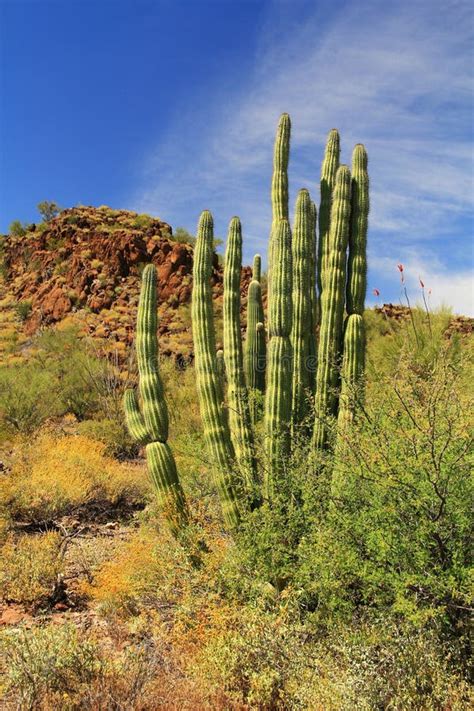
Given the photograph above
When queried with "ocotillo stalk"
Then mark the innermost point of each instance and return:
(213, 415)
(257, 268)
(279, 363)
(352, 370)
(303, 253)
(357, 261)
(151, 427)
(313, 344)
(237, 395)
(332, 310)
(328, 179)
(280, 206)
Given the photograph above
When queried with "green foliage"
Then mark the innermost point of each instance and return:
(182, 235)
(28, 397)
(17, 229)
(23, 309)
(48, 210)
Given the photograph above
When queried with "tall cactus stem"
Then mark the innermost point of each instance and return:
(279, 364)
(210, 395)
(328, 179)
(313, 343)
(357, 260)
(332, 308)
(151, 427)
(303, 254)
(279, 191)
(237, 395)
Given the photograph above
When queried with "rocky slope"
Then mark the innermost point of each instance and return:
(83, 267)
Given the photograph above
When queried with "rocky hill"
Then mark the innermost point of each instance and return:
(83, 267)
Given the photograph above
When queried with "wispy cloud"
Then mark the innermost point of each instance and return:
(397, 78)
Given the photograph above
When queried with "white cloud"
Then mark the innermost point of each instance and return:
(397, 78)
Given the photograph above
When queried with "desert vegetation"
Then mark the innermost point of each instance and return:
(284, 523)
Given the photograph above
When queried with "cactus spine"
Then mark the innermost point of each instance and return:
(280, 356)
(357, 261)
(238, 401)
(303, 254)
(211, 399)
(151, 427)
(313, 344)
(332, 309)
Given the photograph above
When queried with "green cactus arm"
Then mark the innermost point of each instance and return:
(302, 250)
(238, 400)
(279, 363)
(164, 475)
(210, 395)
(257, 268)
(332, 310)
(352, 371)
(255, 342)
(134, 418)
(155, 412)
(279, 190)
(313, 343)
(329, 169)
(357, 260)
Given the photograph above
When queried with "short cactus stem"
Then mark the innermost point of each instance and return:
(328, 179)
(151, 426)
(257, 268)
(255, 343)
(279, 360)
(353, 362)
(303, 255)
(332, 310)
(210, 395)
(357, 260)
(237, 395)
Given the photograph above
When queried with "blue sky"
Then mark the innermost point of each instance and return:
(170, 107)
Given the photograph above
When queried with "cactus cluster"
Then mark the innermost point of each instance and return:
(302, 364)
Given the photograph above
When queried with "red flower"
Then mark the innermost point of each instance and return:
(376, 292)
(429, 292)
(400, 268)
(421, 283)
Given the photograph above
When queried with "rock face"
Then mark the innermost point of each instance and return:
(85, 265)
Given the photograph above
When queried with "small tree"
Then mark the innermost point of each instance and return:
(48, 210)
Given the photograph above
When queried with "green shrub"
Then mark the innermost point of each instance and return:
(23, 309)
(28, 397)
(17, 229)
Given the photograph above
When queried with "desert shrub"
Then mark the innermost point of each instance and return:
(113, 434)
(23, 310)
(17, 229)
(183, 236)
(29, 568)
(48, 664)
(53, 475)
(142, 221)
(28, 397)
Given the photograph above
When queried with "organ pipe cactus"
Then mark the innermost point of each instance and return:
(149, 425)
(357, 261)
(352, 369)
(303, 263)
(332, 309)
(307, 296)
(279, 358)
(255, 343)
(238, 400)
(211, 397)
(327, 183)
